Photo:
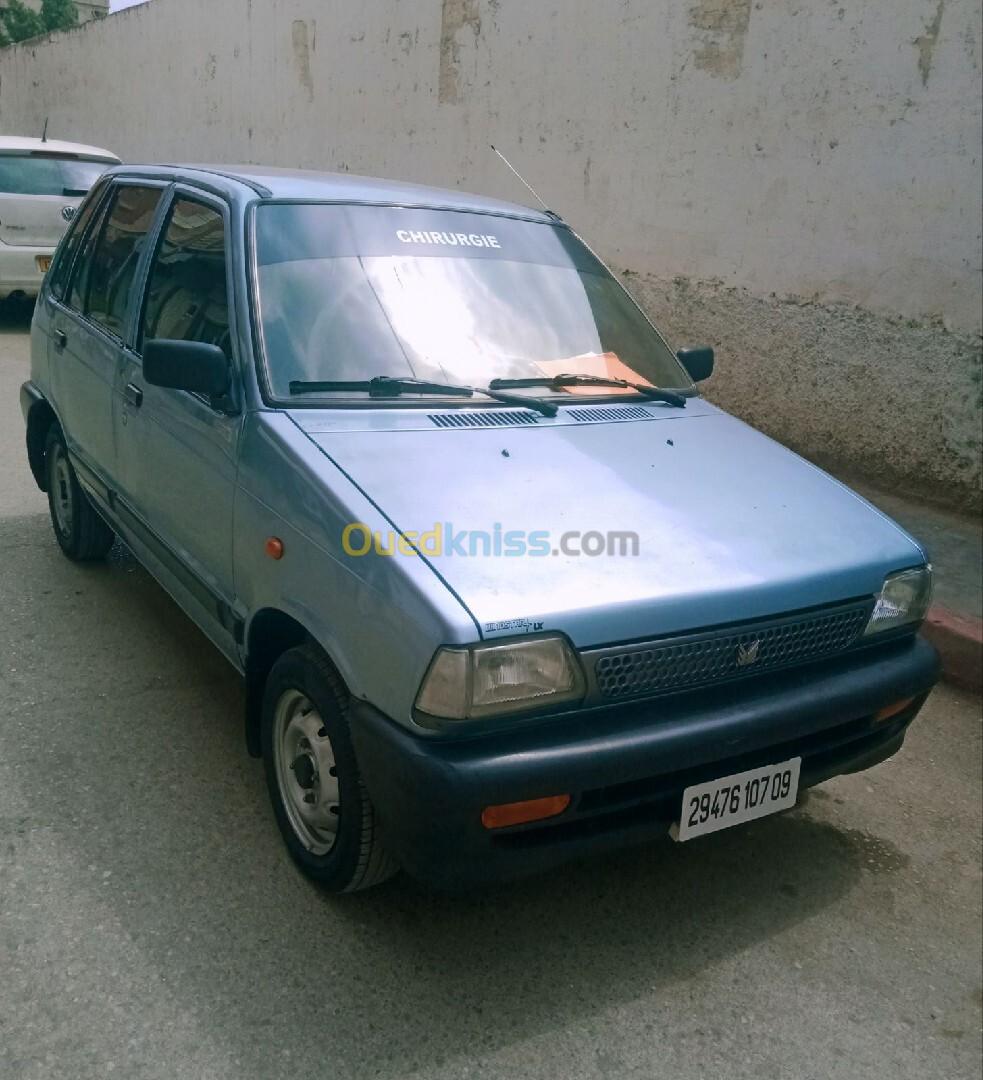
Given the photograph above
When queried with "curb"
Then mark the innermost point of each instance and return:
(959, 640)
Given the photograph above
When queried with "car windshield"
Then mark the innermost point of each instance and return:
(40, 174)
(355, 292)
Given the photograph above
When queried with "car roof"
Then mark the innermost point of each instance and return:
(304, 184)
(23, 144)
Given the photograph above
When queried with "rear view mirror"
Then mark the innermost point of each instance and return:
(698, 362)
(187, 365)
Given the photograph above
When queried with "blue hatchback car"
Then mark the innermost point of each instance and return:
(504, 587)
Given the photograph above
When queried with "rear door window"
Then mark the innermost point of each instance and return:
(116, 254)
(187, 295)
(39, 174)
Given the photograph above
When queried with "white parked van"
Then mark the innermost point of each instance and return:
(42, 183)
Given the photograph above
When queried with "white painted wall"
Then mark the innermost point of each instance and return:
(823, 151)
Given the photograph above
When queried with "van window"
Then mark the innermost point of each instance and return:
(187, 296)
(73, 240)
(40, 174)
(117, 254)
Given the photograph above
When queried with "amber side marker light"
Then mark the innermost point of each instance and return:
(274, 547)
(519, 813)
(892, 710)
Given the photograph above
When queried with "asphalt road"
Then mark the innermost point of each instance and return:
(152, 926)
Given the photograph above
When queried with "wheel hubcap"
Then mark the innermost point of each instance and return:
(62, 493)
(306, 772)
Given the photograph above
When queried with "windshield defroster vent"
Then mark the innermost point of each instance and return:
(491, 418)
(610, 412)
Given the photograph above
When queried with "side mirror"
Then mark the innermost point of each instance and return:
(187, 365)
(698, 362)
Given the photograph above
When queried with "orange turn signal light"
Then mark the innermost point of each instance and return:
(519, 813)
(892, 710)
(274, 547)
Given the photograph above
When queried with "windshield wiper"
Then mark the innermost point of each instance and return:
(558, 382)
(385, 386)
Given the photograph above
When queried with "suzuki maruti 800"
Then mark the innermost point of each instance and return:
(504, 587)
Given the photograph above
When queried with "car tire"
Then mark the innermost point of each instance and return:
(319, 798)
(81, 533)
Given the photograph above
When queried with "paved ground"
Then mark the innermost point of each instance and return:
(151, 926)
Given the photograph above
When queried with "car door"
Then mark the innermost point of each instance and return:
(89, 323)
(178, 451)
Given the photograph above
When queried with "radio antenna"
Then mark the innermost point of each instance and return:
(523, 181)
(44, 134)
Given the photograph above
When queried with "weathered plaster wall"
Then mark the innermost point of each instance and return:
(796, 181)
(886, 398)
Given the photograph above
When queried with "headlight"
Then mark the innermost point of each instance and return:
(903, 599)
(494, 680)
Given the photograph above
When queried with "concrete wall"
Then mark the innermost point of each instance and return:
(795, 181)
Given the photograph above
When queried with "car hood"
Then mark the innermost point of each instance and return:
(731, 525)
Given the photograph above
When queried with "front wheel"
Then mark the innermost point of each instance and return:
(320, 802)
(81, 533)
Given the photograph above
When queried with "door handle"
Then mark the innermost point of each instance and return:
(61, 339)
(134, 395)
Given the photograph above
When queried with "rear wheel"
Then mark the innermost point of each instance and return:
(320, 802)
(81, 533)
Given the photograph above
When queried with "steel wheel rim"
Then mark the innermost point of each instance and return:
(306, 772)
(62, 493)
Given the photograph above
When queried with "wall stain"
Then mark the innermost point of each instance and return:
(456, 16)
(927, 42)
(722, 27)
(303, 46)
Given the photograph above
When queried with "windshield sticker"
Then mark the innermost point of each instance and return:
(297, 232)
(407, 236)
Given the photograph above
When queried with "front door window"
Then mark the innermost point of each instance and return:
(187, 298)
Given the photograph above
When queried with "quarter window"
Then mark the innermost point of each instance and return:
(83, 263)
(73, 240)
(187, 296)
(117, 255)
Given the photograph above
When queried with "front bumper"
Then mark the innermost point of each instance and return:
(626, 767)
(19, 272)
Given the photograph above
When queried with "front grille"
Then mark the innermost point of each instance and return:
(661, 667)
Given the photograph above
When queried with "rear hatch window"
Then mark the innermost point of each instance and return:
(35, 190)
(48, 174)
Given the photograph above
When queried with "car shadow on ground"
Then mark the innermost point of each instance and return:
(156, 794)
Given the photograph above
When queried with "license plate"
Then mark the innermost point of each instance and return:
(732, 800)
(44, 263)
